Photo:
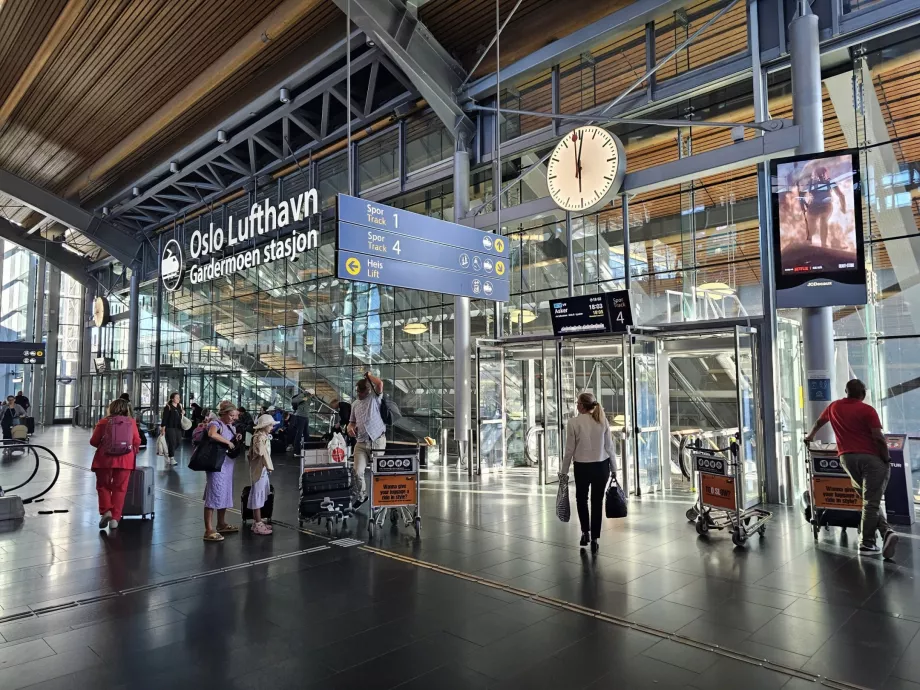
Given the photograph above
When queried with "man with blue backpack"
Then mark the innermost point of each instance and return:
(371, 412)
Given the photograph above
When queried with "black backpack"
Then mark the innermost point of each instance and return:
(389, 412)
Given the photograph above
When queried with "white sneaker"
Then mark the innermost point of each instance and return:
(890, 545)
(104, 519)
(113, 524)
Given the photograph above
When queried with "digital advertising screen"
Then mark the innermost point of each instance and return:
(817, 230)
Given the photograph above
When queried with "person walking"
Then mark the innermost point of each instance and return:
(589, 444)
(23, 402)
(11, 415)
(117, 441)
(218, 492)
(171, 426)
(863, 452)
(367, 428)
(244, 425)
(260, 465)
(299, 429)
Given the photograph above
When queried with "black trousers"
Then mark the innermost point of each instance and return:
(591, 476)
(173, 440)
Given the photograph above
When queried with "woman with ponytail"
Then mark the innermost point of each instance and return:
(589, 444)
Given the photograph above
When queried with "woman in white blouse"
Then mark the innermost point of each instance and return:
(588, 442)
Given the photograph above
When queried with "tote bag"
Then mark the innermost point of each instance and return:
(563, 509)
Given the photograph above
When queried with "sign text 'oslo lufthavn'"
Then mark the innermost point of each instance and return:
(388, 246)
(264, 217)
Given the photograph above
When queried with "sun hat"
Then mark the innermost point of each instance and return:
(264, 420)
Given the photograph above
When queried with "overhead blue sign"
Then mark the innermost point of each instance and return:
(373, 215)
(358, 238)
(387, 271)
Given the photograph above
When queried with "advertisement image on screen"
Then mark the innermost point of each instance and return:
(818, 247)
(817, 215)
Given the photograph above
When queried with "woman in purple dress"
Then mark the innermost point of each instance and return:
(218, 493)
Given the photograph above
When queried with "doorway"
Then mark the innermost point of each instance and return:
(660, 390)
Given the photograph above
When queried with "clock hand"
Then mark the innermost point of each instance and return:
(575, 145)
(578, 162)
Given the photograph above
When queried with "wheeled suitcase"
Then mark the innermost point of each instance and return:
(139, 498)
(267, 509)
(322, 484)
(29, 423)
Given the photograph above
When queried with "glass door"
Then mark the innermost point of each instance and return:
(490, 408)
(647, 433)
(748, 413)
(558, 393)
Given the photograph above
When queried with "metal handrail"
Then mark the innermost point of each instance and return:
(9, 443)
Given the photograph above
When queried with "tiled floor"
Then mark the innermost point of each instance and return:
(345, 617)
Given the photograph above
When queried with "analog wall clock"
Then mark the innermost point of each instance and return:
(586, 169)
(101, 312)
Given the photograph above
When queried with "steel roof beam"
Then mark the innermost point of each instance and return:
(120, 244)
(407, 42)
(53, 252)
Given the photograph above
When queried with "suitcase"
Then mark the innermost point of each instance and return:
(29, 423)
(139, 498)
(322, 483)
(318, 479)
(267, 509)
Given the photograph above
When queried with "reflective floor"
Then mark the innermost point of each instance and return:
(151, 605)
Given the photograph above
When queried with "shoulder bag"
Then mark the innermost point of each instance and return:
(208, 456)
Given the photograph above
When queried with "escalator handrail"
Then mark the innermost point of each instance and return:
(57, 466)
(16, 444)
(536, 428)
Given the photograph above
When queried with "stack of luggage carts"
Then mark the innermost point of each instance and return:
(325, 494)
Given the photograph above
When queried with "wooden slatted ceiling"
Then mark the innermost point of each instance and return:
(465, 27)
(118, 63)
(726, 36)
(23, 25)
(208, 112)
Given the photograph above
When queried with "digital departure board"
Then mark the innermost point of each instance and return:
(608, 312)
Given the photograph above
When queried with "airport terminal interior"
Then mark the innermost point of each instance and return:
(695, 222)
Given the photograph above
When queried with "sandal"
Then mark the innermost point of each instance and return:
(213, 536)
(227, 529)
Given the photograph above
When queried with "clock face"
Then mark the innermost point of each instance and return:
(101, 311)
(586, 169)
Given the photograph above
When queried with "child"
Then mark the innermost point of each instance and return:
(260, 464)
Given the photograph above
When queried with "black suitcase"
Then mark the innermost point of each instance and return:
(267, 509)
(320, 484)
(318, 479)
(29, 422)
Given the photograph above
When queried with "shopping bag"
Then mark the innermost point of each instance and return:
(162, 448)
(563, 509)
(185, 423)
(615, 502)
(338, 449)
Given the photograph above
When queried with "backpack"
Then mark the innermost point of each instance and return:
(119, 436)
(389, 411)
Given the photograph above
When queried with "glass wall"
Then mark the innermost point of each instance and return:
(70, 317)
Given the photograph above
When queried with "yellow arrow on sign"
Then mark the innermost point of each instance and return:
(353, 266)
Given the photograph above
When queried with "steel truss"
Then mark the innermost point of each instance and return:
(313, 118)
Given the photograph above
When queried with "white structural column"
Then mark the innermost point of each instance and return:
(51, 347)
(807, 111)
(462, 352)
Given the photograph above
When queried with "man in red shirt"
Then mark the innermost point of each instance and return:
(863, 453)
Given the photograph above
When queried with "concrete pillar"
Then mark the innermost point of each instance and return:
(808, 114)
(32, 316)
(51, 349)
(36, 385)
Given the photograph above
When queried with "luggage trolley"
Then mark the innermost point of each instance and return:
(721, 502)
(325, 492)
(394, 490)
(831, 500)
